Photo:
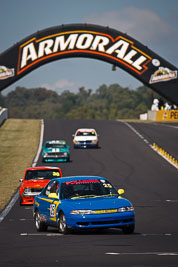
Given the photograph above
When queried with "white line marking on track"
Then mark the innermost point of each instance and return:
(144, 253)
(41, 234)
(147, 142)
(164, 234)
(9, 206)
(40, 144)
(171, 200)
(171, 126)
(164, 157)
(22, 219)
(134, 130)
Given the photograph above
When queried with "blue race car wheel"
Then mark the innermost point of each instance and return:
(40, 226)
(62, 226)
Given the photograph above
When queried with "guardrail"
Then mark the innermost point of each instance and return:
(3, 115)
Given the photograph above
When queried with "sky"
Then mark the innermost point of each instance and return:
(154, 23)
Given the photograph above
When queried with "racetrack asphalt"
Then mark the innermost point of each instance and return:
(150, 182)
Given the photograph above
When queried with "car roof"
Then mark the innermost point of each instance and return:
(75, 178)
(86, 129)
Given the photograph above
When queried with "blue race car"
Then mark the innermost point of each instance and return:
(55, 151)
(82, 202)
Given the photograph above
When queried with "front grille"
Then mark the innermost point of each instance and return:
(85, 142)
(36, 190)
(83, 223)
(99, 223)
(56, 154)
(32, 192)
(104, 222)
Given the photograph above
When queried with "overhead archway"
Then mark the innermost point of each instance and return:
(91, 41)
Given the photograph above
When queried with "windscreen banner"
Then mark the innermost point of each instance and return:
(89, 41)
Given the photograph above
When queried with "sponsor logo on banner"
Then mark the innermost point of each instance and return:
(155, 62)
(165, 115)
(103, 45)
(6, 73)
(174, 115)
(163, 75)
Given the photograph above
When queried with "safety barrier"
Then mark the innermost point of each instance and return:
(162, 115)
(167, 115)
(3, 115)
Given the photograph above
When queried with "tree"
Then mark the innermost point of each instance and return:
(107, 102)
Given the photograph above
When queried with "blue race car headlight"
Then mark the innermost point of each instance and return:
(126, 209)
(88, 212)
(81, 212)
(65, 154)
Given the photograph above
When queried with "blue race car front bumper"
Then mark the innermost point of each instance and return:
(118, 220)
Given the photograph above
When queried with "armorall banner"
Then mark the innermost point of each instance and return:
(91, 41)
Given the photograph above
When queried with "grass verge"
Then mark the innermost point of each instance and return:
(19, 139)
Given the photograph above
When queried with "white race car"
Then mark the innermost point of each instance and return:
(86, 138)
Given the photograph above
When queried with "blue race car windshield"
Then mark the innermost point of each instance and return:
(42, 174)
(87, 188)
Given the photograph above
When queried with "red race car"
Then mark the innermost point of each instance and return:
(34, 180)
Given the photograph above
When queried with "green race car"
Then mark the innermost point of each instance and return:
(55, 151)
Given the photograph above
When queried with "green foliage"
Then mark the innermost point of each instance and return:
(107, 102)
